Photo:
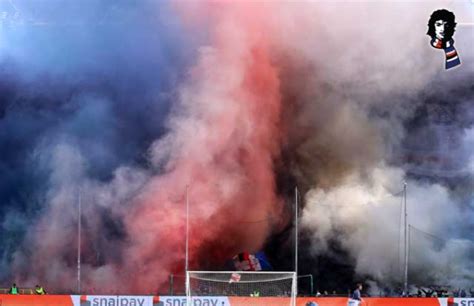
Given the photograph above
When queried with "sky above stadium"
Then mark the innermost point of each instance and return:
(120, 105)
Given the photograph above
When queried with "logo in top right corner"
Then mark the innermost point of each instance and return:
(441, 28)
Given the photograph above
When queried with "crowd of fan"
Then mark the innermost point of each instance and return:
(326, 293)
(428, 291)
(442, 292)
(431, 291)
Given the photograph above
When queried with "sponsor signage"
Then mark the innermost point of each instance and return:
(196, 301)
(116, 300)
(461, 302)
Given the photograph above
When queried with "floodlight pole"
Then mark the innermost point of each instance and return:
(407, 243)
(296, 238)
(79, 229)
(186, 265)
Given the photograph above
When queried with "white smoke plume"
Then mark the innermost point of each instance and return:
(371, 67)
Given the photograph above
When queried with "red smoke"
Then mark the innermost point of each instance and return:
(224, 142)
(225, 133)
(224, 136)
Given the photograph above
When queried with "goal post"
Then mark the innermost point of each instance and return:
(280, 287)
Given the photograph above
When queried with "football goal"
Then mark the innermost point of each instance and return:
(243, 288)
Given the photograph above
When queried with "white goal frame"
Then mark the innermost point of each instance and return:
(291, 275)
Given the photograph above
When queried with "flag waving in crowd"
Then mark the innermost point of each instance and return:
(251, 262)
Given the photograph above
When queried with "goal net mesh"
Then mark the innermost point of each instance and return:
(242, 284)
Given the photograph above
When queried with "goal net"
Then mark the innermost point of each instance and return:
(243, 288)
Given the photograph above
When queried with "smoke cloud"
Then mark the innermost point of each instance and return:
(368, 111)
(85, 90)
(125, 108)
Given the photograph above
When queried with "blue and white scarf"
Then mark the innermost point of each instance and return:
(452, 58)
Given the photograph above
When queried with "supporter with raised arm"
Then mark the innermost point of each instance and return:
(428, 293)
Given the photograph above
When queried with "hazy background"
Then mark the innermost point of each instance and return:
(119, 105)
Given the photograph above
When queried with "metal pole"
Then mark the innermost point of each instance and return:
(296, 238)
(400, 221)
(79, 215)
(408, 250)
(187, 238)
(171, 284)
(405, 280)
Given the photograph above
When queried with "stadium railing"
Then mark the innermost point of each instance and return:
(20, 290)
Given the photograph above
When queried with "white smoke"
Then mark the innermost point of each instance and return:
(364, 215)
(370, 65)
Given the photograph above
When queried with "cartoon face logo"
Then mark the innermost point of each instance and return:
(441, 28)
(442, 25)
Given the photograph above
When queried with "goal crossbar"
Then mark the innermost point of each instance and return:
(196, 275)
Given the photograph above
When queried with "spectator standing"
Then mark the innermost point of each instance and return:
(39, 290)
(356, 295)
(13, 289)
(356, 298)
